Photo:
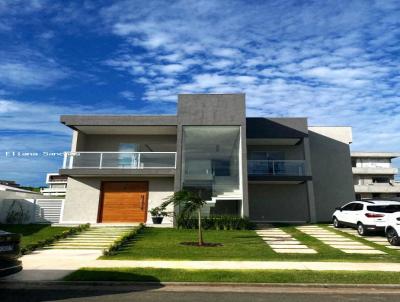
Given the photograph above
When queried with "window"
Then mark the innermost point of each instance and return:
(358, 207)
(266, 155)
(348, 207)
(354, 163)
(384, 208)
(210, 159)
(380, 179)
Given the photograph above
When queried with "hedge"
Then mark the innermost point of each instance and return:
(120, 242)
(216, 223)
(42, 243)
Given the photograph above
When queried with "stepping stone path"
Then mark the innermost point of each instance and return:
(337, 241)
(381, 240)
(282, 242)
(98, 238)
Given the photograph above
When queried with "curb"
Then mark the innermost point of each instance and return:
(13, 283)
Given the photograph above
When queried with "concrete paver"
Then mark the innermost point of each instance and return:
(282, 242)
(338, 241)
(381, 240)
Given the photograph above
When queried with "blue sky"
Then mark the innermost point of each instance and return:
(336, 62)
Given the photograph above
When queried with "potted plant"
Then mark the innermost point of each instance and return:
(158, 214)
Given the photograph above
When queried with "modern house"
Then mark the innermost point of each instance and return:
(374, 175)
(57, 185)
(268, 169)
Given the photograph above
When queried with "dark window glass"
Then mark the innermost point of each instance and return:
(348, 207)
(358, 207)
(380, 179)
(384, 209)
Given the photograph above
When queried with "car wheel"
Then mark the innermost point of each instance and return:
(361, 229)
(392, 237)
(336, 223)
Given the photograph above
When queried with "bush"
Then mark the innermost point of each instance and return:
(216, 223)
(120, 242)
(42, 243)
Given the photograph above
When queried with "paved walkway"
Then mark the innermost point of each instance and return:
(256, 265)
(53, 264)
(381, 240)
(282, 242)
(337, 241)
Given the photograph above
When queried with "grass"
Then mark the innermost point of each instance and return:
(249, 276)
(164, 244)
(32, 233)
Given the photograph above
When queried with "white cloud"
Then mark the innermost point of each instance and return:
(23, 74)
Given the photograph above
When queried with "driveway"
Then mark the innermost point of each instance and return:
(53, 264)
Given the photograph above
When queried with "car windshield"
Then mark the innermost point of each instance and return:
(384, 208)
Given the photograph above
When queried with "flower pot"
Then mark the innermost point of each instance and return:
(157, 220)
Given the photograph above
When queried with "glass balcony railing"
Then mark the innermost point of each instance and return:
(119, 160)
(276, 167)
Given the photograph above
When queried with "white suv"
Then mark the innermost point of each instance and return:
(392, 229)
(366, 215)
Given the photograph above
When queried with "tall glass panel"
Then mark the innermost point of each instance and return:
(210, 160)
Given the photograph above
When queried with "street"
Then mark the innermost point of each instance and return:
(116, 293)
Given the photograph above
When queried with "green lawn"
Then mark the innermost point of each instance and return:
(32, 233)
(159, 243)
(256, 276)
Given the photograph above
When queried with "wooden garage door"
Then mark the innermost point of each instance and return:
(124, 202)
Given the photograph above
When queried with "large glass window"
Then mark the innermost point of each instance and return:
(210, 159)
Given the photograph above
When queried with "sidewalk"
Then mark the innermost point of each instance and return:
(250, 265)
(54, 264)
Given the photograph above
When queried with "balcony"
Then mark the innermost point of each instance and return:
(277, 170)
(378, 188)
(375, 170)
(119, 163)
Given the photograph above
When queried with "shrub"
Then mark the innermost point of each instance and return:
(216, 223)
(120, 242)
(42, 243)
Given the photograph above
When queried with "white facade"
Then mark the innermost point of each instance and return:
(57, 185)
(374, 175)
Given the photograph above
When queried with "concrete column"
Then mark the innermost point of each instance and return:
(245, 190)
(310, 184)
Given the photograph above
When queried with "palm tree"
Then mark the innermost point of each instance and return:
(190, 203)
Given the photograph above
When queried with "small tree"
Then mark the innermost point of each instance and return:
(190, 203)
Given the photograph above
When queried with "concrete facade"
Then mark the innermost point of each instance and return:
(331, 169)
(374, 175)
(83, 198)
(288, 171)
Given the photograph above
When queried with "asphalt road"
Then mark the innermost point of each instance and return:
(54, 292)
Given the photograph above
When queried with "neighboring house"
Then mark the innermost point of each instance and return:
(10, 183)
(268, 169)
(57, 185)
(15, 201)
(374, 175)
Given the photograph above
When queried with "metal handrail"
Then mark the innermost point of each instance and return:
(272, 167)
(135, 163)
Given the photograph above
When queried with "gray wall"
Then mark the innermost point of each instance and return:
(295, 152)
(278, 202)
(332, 174)
(83, 196)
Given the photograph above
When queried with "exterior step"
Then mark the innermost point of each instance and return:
(94, 238)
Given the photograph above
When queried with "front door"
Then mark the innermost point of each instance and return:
(123, 201)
